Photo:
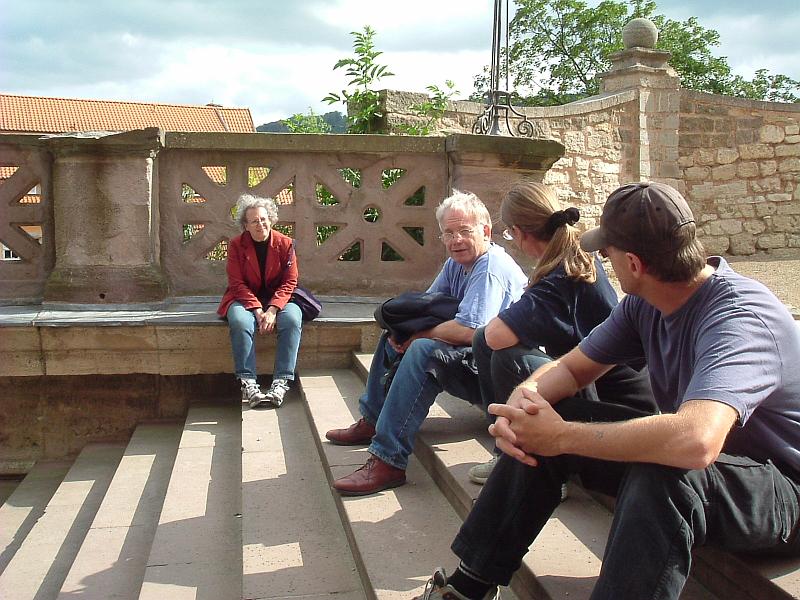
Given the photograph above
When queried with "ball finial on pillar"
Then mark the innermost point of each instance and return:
(639, 33)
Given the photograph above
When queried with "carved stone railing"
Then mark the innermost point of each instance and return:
(141, 216)
(26, 165)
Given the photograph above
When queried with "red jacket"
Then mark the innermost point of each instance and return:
(244, 278)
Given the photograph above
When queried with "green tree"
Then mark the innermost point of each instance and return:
(360, 97)
(559, 46)
(431, 110)
(306, 123)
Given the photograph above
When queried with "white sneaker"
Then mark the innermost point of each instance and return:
(277, 391)
(251, 393)
(438, 589)
(480, 473)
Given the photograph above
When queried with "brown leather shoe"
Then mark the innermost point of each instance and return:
(373, 477)
(359, 433)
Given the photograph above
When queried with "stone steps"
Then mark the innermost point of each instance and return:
(197, 548)
(23, 508)
(293, 542)
(565, 561)
(236, 504)
(112, 559)
(41, 563)
(398, 536)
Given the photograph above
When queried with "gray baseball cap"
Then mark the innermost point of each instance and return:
(641, 218)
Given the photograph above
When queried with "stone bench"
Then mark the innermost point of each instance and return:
(75, 374)
(182, 336)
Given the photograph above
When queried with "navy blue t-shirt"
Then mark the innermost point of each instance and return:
(558, 312)
(733, 342)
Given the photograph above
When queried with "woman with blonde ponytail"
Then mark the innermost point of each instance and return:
(568, 295)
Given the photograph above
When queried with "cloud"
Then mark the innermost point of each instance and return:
(752, 36)
(757, 41)
(277, 57)
(420, 25)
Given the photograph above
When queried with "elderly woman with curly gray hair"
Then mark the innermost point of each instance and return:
(262, 274)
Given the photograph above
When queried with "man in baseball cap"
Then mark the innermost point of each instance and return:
(642, 217)
(719, 466)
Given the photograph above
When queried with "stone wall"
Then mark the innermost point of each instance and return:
(597, 135)
(737, 161)
(740, 162)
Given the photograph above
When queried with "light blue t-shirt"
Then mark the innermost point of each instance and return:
(734, 342)
(494, 283)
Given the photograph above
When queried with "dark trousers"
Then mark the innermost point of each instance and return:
(737, 504)
(500, 371)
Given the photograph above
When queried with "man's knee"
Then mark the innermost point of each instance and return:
(421, 348)
(647, 482)
(517, 362)
(479, 343)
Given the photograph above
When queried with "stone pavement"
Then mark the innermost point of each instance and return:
(782, 276)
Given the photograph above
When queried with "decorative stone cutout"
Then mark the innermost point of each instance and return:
(389, 254)
(325, 196)
(391, 176)
(351, 176)
(417, 198)
(190, 196)
(216, 173)
(255, 175)
(372, 214)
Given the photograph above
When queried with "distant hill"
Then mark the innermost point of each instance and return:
(335, 119)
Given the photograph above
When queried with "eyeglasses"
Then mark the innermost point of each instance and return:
(461, 233)
(264, 222)
(507, 234)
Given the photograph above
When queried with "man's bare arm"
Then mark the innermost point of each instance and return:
(451, 332)
(692, 438)
(561, 378)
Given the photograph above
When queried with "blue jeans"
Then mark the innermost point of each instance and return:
(737, 504)
(398, 415)
(242, 329)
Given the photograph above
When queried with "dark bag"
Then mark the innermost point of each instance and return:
(410, 312)
(310, 307)
(308, 303)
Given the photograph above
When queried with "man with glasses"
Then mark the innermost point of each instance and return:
(486, 280)
(718, 466)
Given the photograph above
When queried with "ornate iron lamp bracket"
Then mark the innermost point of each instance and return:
(498, 102)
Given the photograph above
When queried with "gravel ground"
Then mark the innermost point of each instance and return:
(781, 275)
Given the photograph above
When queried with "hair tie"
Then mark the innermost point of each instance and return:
(560, 218)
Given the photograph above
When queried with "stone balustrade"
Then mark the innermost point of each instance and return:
(142, 216)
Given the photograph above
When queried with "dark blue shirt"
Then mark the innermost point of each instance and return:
(558, 312)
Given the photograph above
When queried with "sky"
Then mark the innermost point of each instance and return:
(277, 57)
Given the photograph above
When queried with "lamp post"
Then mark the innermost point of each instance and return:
(498, 102)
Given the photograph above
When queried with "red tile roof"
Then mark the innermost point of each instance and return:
(33, 114)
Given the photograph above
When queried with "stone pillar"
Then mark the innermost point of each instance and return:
(639, 66)
(106, 219)
(487, 165)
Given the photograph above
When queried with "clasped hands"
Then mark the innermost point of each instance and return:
(400, 348)
(265, 319)
(527, 425)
